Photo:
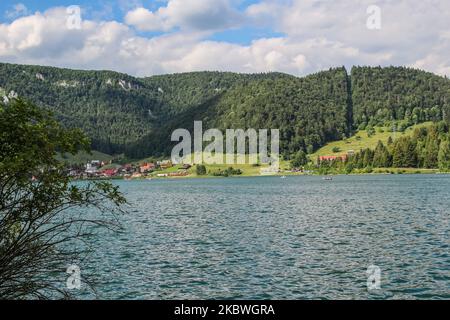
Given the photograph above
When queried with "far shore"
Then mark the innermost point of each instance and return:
(379, 172)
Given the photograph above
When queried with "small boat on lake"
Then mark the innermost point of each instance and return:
(328, 178)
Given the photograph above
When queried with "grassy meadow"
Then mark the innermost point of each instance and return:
(362, 140)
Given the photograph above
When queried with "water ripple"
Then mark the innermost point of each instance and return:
(268, 238)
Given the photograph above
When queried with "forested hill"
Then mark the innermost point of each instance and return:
(397, 93)
(110, 107)
(137, 115)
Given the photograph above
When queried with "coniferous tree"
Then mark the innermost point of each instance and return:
(404, 153)
(390, 141)
(444, 154)
(299, 160)
(431, 148)
(381, 158)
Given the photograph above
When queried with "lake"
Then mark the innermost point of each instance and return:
(271, 238)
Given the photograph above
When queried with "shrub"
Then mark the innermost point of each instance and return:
(201, 170)
(336, 149)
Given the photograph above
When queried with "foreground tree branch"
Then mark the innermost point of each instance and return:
(41, 209)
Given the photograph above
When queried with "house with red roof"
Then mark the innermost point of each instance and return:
(147, 167)
(109, 172)
(333, 158)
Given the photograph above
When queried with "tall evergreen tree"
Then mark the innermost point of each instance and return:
(431, 148)
(404, 153)
(381, 158)
(444, 154)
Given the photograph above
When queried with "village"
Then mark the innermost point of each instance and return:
(96, 169)
(148, 169)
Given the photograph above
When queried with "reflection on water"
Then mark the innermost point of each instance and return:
(272, 238)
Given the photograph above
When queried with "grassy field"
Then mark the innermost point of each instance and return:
(247, 169)
(361, 140)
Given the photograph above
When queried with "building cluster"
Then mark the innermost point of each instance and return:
(99, 169)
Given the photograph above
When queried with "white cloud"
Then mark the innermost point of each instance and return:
(316, 35)
(410, 30)
(438, 59)
(145, 20)
(201, 15)
(261, 56)
(43, 39)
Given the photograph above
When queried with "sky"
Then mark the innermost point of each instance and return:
(299, 37)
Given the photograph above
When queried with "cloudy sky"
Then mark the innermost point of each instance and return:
(143, 37)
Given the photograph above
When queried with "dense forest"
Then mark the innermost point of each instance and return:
(136, 116)
(383, 96)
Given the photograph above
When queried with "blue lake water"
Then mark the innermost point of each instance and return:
(272, 238)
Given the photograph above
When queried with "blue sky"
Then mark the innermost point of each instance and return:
(165, 36)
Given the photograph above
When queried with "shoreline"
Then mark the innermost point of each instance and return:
(395, 171)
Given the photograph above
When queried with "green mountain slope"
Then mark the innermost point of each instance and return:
(110, 107)
(308, 111)
(136, 116)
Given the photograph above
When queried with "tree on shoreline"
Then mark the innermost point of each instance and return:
(39, 205)
(404, 153)
(200, 170)
(444, 155)
(381, 158)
